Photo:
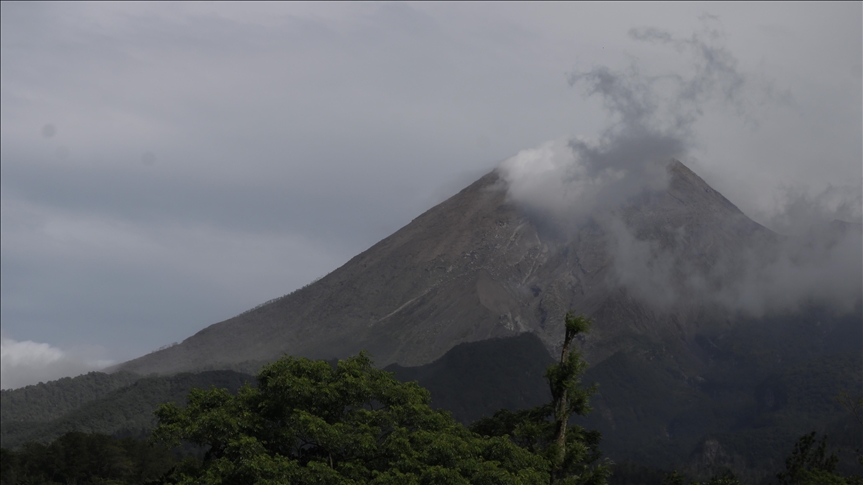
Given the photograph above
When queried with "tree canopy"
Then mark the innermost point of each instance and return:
(83, 458)
(310, 422)
(313, 422)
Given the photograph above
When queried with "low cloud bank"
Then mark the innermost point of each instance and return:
(26, 363)
(824, 266)
(819, 258)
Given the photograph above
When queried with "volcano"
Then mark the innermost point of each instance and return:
(477, 267)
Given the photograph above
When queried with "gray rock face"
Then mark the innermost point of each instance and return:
(476, 267)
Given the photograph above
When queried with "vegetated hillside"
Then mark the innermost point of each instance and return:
(471, 381)
(760, 385)
(474, 380)
(126, 409)
(46, 401)
(477, 267)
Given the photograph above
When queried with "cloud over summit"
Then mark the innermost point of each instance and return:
(653, 118)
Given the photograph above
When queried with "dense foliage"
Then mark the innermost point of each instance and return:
(311, 422)
(308, 422)
(127, 409)
(100, 459)
(84, 459)
(44, 402)
(761, 384)
(809, 464)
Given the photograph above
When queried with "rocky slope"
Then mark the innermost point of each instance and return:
(476, 267)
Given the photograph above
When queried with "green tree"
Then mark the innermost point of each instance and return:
(809, 464)
(571, 451)
(77, 457)
(310, 422)
(9, 466)
(854, 405)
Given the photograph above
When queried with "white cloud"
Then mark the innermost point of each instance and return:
(555, 180)
(25, 363)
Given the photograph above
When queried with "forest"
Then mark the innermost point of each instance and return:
(347, 422)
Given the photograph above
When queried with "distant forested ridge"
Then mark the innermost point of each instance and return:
(89, 458)
(128, 407)
(47, 401)
(346, 422)
(474, 380)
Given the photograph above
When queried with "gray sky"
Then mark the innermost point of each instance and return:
(167, 166)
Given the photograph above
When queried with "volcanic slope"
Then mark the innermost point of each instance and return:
(477, 267)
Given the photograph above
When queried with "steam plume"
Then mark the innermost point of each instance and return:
(813, 259)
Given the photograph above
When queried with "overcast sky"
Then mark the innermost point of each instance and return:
(167, 166)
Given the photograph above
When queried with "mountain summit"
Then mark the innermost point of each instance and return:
(477, 267)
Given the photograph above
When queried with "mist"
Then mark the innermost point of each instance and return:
(816, 253)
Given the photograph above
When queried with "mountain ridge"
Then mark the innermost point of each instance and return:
(474, 267)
